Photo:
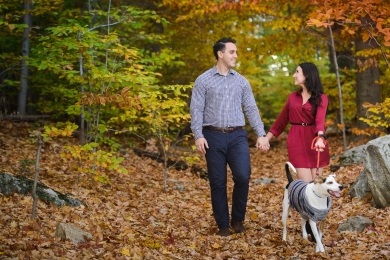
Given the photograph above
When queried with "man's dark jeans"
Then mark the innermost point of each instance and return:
(228, 149)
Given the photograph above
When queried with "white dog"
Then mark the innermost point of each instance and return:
(312, 201)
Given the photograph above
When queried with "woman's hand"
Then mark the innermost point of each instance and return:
(320, 144)
(262, 143)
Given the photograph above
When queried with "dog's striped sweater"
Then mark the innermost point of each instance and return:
(298, 200)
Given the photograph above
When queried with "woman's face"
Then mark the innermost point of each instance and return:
(298, 77)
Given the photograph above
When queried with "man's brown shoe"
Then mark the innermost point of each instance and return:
(224, 232)
(237, 226)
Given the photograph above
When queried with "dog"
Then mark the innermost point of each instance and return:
(312, 201)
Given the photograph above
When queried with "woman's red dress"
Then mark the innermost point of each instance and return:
(300, 137)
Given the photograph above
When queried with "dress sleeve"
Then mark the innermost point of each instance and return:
(281, 122)
(321, 114)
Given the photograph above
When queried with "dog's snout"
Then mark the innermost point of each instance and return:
(341, 187)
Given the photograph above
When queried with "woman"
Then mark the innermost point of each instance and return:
(305, 110)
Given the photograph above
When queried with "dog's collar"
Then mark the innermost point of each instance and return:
(317, 194)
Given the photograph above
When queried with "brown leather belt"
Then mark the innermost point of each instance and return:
(223, 130)
(302, 124)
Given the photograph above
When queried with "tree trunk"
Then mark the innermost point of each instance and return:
(367, 78)
(27, 19)
(34, 190)
(338, 87)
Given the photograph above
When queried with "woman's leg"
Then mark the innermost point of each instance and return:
(305, 174)
(314, 172)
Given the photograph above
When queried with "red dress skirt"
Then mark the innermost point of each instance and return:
(300, 137)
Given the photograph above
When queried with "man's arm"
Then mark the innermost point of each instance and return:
(251, 111)
(196, 110)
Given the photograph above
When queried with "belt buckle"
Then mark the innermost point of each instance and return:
(303, 124)
(223, 130)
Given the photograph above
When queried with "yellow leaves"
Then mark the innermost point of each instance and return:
(254, 216)
(216, 246)
(125, 251)
(152, 244)
(13, 224)
(53, 131)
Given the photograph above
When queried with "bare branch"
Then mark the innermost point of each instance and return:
(109, 24)
(11, 68)
(376, 41)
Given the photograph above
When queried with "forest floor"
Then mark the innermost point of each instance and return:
(134, 218)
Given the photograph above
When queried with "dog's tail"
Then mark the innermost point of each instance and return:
(288, 173)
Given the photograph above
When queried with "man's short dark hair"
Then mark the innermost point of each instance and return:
(220, 45)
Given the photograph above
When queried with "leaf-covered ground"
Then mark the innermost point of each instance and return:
(133, 218)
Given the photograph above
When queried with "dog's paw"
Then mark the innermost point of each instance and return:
(320, 248)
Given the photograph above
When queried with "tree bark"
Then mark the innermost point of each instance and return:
(34, 190)
(367, 77)
(27, 19)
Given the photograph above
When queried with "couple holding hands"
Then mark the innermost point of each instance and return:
(221, 97)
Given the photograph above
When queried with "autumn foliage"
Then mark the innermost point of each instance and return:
(131, 217)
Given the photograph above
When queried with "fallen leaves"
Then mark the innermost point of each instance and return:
(133, 218)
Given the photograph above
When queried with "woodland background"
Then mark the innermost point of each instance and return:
(98, 79)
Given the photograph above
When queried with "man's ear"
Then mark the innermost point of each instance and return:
(220, 54)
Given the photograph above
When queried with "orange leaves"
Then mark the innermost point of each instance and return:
(122, 99)
(317, 23)
(371, 15)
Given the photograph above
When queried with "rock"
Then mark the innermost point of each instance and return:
(352, 156)
(377, 168)
(179, 187)
(360, 187)
(334, 167)
(17, 184)
(75, 234)
(356, 223)
(265, 181)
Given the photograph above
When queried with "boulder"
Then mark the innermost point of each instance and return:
(352, 156)
(75, 234)
(360, 187)
(377, 169)
(356, 223)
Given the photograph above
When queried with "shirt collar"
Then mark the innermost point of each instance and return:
(215, 71)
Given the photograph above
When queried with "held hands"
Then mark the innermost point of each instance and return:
(201, 145)
(262, 143)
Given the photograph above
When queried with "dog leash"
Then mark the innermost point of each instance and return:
(314, 147)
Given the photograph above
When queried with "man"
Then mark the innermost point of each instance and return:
(220, 98)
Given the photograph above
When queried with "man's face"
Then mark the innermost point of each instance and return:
(229, 56)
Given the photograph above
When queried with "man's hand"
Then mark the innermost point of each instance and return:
(201, 145)
(262, 143)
